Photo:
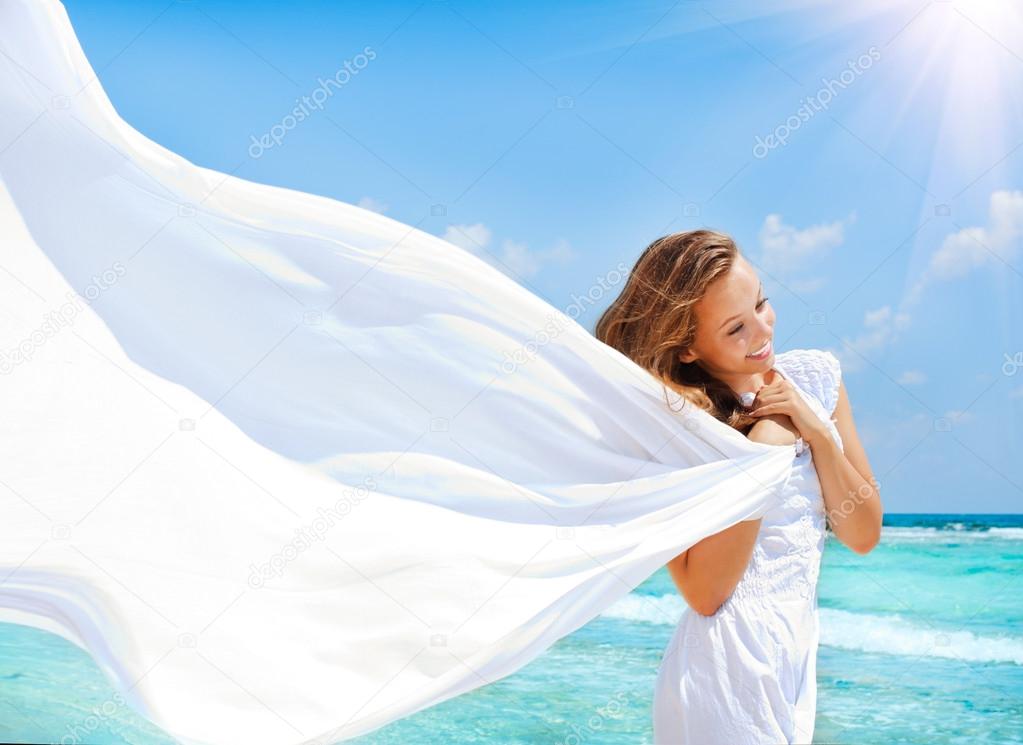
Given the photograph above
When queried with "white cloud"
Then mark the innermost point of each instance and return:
(518, 258)
(957, 415)
(912, 377)
(561, 252)
(526, 262)
(976, 246)
(973, 246)
(787, 249)
(474, 238)
(513, 257)
(959, 254)
(881, 327)
(369, 203)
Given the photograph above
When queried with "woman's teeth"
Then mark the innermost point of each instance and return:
(762, 353)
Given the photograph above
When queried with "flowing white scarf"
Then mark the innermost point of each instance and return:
(286, 468)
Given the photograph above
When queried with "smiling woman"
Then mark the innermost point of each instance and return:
(677, 279)
(275, 479)
(741, 668)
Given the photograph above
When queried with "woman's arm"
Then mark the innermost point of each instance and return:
(707, 573)
(851, 495)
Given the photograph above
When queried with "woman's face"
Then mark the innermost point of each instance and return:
(734, 320)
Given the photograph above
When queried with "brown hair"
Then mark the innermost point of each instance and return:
(654, 317)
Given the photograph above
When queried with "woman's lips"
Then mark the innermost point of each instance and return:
(763, 355)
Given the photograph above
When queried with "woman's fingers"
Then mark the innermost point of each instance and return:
(772, 406)
(770, 398)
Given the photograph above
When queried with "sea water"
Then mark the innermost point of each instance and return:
(921, 642)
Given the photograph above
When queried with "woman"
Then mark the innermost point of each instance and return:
(741, 666)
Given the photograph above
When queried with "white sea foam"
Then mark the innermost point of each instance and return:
(895, 635)
(955, 532)
(863, 632)
(664, 609)
(1014, 534)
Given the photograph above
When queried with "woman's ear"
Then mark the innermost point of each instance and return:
(687, 356)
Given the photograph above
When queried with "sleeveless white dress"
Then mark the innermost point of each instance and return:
(747, 674)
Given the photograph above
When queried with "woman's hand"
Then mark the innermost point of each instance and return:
(781, 397)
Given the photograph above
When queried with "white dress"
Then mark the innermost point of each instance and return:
(747, 674)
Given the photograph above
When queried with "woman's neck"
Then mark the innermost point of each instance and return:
(755, 382)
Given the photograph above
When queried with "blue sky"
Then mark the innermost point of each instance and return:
(557, 140)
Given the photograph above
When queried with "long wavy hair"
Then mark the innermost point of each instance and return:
(654, 317)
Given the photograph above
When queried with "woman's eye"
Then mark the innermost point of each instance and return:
(738, 328)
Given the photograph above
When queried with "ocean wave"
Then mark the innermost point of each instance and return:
(893, 634)
(665, 609)
(861, 632)
(953, 531)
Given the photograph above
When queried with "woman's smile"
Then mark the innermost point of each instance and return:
(763, 353)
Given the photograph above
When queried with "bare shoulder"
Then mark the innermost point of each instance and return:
(773, 429)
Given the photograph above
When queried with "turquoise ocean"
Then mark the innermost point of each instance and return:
(922, 642)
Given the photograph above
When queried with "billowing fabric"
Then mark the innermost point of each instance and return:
(288, 469)
(747, 675)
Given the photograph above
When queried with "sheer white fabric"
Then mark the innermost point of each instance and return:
(265, 457)
(747, 675)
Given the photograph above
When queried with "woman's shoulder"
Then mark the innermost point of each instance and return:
(817, 371)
